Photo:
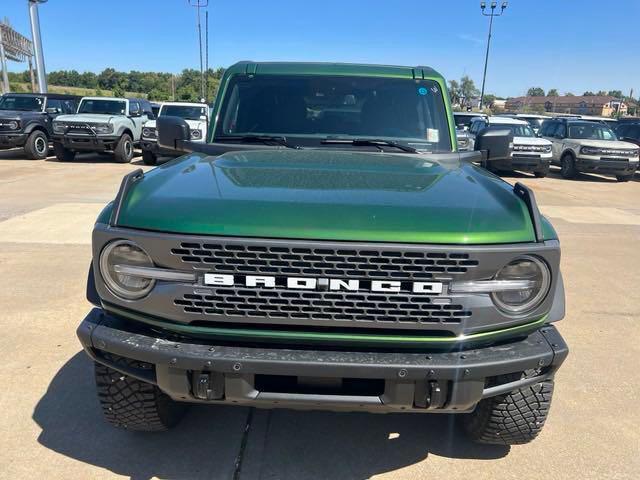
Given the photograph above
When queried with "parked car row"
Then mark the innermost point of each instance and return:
(195, 114)
(26, 120)
(573, 142)
(73, 124)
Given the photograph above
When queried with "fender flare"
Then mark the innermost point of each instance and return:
(37, 126)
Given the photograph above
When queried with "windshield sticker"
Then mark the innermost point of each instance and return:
(433, 135)
(423, 91)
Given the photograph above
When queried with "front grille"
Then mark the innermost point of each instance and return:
(347, 307)
(325, 262)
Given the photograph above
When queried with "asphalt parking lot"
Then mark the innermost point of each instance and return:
(51, 426)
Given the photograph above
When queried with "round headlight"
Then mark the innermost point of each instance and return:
(146, 132)
(125, 253)
(196, 134)
(13, 125)
(531, 270)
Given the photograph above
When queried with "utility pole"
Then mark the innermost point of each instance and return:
(206, 55)
(37, 44)
(198, 4)
(483, 6)
(3, 66)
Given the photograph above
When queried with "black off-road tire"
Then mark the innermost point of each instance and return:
(542, 173)
(149, 158)
(123, 153)
(568, 166)
(37, 146)
(63, 154)
(510, 419)
(624, 178)
(131, 404)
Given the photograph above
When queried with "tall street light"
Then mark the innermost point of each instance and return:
(37, 44)
(493, 13)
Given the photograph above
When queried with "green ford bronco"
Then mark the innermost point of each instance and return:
(328, 248)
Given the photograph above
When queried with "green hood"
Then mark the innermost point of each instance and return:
(328, 195)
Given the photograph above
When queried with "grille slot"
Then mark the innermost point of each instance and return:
(334, 307)
(324, 262)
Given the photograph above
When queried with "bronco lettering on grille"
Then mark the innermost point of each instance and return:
(313, 283)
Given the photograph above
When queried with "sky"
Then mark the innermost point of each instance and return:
(570, 45)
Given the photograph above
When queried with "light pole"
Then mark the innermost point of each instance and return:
(37, 44)
(198, 4)
(493, 13)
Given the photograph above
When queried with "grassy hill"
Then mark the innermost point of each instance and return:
(83, 92)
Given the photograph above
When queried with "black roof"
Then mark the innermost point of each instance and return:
(57, 96)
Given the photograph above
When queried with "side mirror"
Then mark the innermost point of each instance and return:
(52, 110)
(497, 143)
(203, 118)
(172, 132)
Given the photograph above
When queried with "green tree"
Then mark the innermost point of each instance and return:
(569, 94)
(489, 100)
(553, 92)
(118, 91)
(615, 93)
(468, 89)
(601, 93)
(454, 92)
(588, 93)
(535, 92)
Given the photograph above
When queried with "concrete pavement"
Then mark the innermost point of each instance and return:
(51, 426)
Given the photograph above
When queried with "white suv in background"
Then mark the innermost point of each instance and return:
(195, 114)
(591, 147)
(534, 120)
(530, 153)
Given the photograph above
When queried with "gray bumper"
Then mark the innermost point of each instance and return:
(12, 140)
(88, 143)
(195, 370)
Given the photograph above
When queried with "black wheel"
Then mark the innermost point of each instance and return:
(542, 173)
(37, 145)
(510, 419)
(149, 158)
(123, 153)
(132, 404)
(63, 154)
(567, 166)
(624, 178)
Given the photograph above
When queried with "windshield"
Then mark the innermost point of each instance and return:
(22, 102)
(521, 130)
(534, 122)
(188, 112)
(313, 108)
(463, 120)
(106, 107)
(591, 131)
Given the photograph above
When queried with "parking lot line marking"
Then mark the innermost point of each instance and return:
(61, 223)
(592, 215)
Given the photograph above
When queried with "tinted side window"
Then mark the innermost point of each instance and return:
(55, 103)
(561, 130)
(547, 128)
(146, 109)
(69, 106)
(634, 132)
(622, 130)
(134, 107)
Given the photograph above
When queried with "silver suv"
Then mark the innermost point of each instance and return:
(102, 124)
(591, 147)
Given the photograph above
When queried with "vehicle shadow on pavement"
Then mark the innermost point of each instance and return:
(583, 177)
(280, 444)
(16, 154)
(98, 157)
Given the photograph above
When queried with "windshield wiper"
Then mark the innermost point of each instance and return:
(376, 142)
(266, 139)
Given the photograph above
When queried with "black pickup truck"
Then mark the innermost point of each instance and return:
(26, 120)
